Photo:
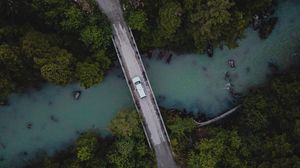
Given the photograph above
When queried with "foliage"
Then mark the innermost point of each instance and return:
(207, 21)
(264, 133)
(91, 150)
(86, 146)
(137, 20)
(126, 124)
(88, 74)
(221, 149)
(191, 24)
(74, 19)
(57, 74)
(6, 86)
(131, 149)
(169, 18)
(47, 40)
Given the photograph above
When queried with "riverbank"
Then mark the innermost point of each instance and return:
(260, 128)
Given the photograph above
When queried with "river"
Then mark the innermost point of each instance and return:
(191, 81)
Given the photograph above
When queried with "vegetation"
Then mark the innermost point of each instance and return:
(127, 147)
(57, 41)
(264, 133)
(191, 24)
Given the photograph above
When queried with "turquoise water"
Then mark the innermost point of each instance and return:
(194, 82)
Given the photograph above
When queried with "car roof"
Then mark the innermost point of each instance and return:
(136, 79)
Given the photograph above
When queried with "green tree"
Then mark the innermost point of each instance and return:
(56, 73)
(74, 19)
(137, 20)
(49, 163)
(86, 146)
(207, 19)
(254, 117)
(169, 18)
(51, 11)
(35, 44)
(95, 37)
(126, 124)
(102, 59)
(9, 58)
(121, 157)
(130, 149)
(89, 74)
(220, 150)
(6, 86)
(180, 126)
(55, 55)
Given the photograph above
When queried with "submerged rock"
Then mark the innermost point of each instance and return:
(273, 67)
(267, 27)
(227, 76)
(150, 54)
(256, 22)
(53, 118)
(2, 146)
(76, 94)
(168, 60)
(231, 63)
(24, 153)
(29, 125)
(161, 54)
(248, 69)
(4, 102)
(210, 50)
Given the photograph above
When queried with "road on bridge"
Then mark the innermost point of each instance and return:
(132, 66)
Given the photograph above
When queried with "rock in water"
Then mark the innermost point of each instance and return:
(210, 50)
(4, 102)
(256, 22)
(76, 94)
(29, 125)
(231, 63)
(267, 27)
(169, 58)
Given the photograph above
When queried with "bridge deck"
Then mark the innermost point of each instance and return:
(153, 123)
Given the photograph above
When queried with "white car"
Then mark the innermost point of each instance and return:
(139, 87)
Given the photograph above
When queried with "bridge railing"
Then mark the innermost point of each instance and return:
(137, 106)
(148, 83)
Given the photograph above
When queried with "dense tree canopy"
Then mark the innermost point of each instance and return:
(88, 74)
(125, 124)
(47, 40)
(86, 146)
(191, 24)
(137, 20)
(169, 18)
(264, 133)
(56, 73)
(123, 150)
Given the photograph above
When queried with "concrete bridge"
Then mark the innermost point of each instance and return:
(132, 66)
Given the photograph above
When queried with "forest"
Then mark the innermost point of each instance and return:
(65, 41)
(56, 41)
(264, 133)
(61, 41)
(194, 25)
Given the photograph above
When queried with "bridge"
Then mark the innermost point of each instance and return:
(132, 66)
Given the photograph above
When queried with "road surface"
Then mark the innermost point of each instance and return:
(132, 66)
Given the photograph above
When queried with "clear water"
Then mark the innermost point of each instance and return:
(194, 82)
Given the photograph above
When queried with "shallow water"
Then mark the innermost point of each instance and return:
(193, 82)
